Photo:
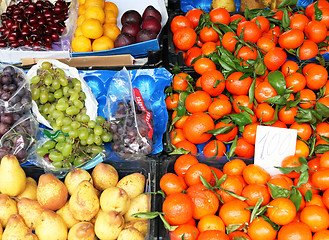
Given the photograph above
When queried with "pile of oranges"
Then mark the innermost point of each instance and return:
(96, 26)
(245, 202)
(267, 35)
(236, 87)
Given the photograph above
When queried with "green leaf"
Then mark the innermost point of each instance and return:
(285, 18)
(234, 195)
(224, 27)
(260, 67)
(181, 110)
(221, 130)
(239, 238)
(305, 115)
(322, 109)
(308, 195)
(277, 81)
(276, 227)
(321, 148)
(233, 147)
(161, 192)
(167, 225)
(303, 178)
(205, 182)
(296, 197)
(179, 151)
(233, 228)
(176, 69)
(255, 209)
(252, 91)
(147, 215)
(220, 181)
(278, 192)
(286, 3)
(247, 110)
(241, 119)
(317, 12)
(53, 135)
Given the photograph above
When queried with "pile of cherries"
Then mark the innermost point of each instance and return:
(33, 25)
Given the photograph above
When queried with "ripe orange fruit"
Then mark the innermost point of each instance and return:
(249, 134)
(234, 212)
(320, 179)
(244, 149)
(176, 136)
(193, 16)
(90, 3)
(251, 31)
(172, 101)
(255, 174)
(289, 67)
(208, 48)
(111, 30)
(302, 149)
(291, 161)
(238, 86)
(308, 98)
(212, 82)
(219, 108)
(183, 163)
(226, 137)
(281, 211)
(92, 28)
(316, 31)
(179, 82)
(213, 235)
(198, 101)
(178, 208)
(241, 101)
(253, 192)
(211, 222)
(263, 22)
(188, 231)
(196, 126)
(95, 12)
(103, 43)
(308, 50)
(214, 149)
(296, 81)
(298, 21)
(322, 129)
(234, 167)
(317, 218)
(205, 202)
(179, 123)
(193, 173)
(180, 22)
(191, 54)
(188, 146)
(288, 116)
(324, 160)
(171, 183)
(316, 77)
(295, 230)
(247, 53)
(208, 34)
(220, 15)
(265, 112)
(321, 235)
(80, 20)
(280, 181)
(233, 183)
(78, 32)
(216, 172)
(260, 229)
(265, 44)
(184, 38)
(237, 234)
(316, 200)
(274, 58)
(291, 39)
(204, 64)
(81, 44)
(228, 41)
(264, 91)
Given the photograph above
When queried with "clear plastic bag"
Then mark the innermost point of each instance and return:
(15, 95)
(19, 138)
(131, 121)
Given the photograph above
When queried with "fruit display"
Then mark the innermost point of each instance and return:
(96, 26)
(83, 206)
(243, 201)
(33, 25)
(139, 28)
(61, 102)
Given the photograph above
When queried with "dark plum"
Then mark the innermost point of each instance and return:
(132, 28)
(151, 23)
(131, 16)
(151, 11)
(124, 39)
(145, 35)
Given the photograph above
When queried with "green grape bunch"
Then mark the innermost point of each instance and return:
(61, 102)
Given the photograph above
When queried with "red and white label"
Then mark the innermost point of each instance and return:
(140, 102)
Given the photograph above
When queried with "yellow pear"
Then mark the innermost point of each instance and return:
(74, 177)
(30, 210)
(82, 231)
(108, 225)
(104, 176)
(15, 229)
(30, 190)
(133, 184)
(130, 233)
(67, 216)
(51, 192)
(8, 207)
(1, 232)
(114, 199)
(84, 203)
(141, 203)
(12, 176)
(229, 5)
(140, 224)
(50, 226)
